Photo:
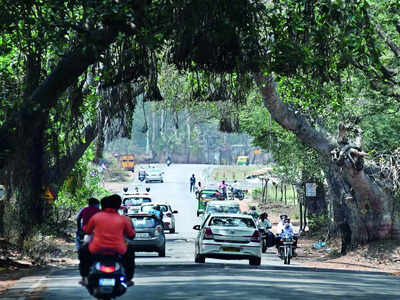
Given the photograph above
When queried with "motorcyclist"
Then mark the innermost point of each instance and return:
(198, 188)
(222, 187)
(281, 224)
(264, 222)
(156, 210)
(83, 218)
(287, 229)
(254, 213)
(109, 230)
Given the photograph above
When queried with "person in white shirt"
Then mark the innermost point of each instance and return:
(281, 224)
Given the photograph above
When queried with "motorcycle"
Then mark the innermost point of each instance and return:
(107, 279)
(286, 248)
(142, 175)
(264, 231)
(235, 193)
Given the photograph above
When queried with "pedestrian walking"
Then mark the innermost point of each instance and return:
(192, 183)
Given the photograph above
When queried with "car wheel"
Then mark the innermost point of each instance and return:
(255, 261)
(147, 181)
(172, 230)
(162, 181)
(201, 259)
(162, 253)
(196, 258)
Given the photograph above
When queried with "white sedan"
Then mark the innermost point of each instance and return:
(168, 214)
(228, 236)
(154, 175)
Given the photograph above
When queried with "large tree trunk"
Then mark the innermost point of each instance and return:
(367, 210)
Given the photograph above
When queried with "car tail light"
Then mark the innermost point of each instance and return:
(256, 236)
(169, 215)
(107, 269)
(208, 234)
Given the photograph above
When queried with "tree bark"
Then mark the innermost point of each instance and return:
(369, 209)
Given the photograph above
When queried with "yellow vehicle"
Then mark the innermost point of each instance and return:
(128, 162)
(242, 160)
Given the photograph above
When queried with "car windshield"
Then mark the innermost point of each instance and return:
(135, 201)
(232, 222)
(223, 209)
(144, 222)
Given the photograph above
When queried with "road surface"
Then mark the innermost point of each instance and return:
(177, 276)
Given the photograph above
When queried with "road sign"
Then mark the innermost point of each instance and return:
(257, 152)
(48, 195)
(311, 189)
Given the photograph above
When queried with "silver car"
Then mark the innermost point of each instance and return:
(228, 236)
(149, 234)
(154, 175)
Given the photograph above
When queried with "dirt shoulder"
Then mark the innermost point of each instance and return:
(382, 256)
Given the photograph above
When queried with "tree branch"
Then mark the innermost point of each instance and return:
(392, 45)
(60, 172)
(291, 120)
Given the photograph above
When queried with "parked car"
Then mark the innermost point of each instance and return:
(132, 202)
(168, 214)
(228, 236)
(149, 234)
(153, 175)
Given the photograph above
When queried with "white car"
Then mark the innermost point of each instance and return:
(168, 214)
(154, 175)
(131, 202)
(228, 236)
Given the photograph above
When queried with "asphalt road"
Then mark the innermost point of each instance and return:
(177, 276)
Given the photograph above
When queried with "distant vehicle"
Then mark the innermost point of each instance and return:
(149, 234)
(132, 202)
(242, 161)
(127, 162)
(142, 175)
(154, 175)
(204, 196)
(168, 214)
(215, 207)
(228, 236)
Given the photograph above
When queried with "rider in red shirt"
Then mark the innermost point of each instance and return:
(109, 230)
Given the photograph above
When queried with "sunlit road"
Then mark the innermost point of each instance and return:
(177, 276)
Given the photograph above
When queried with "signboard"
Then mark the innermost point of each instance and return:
(48, 195)
(311, 190)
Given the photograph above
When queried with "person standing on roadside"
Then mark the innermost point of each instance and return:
(83, 218)
(192, 183)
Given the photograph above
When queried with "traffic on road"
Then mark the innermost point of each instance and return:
(217, 252)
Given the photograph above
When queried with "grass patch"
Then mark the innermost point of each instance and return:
(233, 172)
(276, 195)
